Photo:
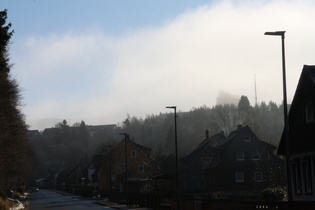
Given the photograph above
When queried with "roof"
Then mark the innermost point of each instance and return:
(234, 135)
(33, 133)
(100, 127)
(205, 146)
(51, 132)
(306, 82)
(144, 149)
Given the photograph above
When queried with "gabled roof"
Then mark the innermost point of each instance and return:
(234, 135)
(33, 133)
(100, 127)
(144, 149)
(51, 132)
(205, 146)
(224, 146)
(306, 82)
(307, 78)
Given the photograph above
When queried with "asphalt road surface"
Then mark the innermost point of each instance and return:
(45, 199)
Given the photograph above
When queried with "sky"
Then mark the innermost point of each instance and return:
(102, 60)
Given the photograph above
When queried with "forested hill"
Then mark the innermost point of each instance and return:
(157, 131)
(75, 145)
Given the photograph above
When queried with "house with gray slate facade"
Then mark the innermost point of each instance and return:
(237, 166)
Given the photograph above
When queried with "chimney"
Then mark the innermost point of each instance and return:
(207, 134)
(222, 133)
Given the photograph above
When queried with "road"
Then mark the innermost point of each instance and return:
(44, 199)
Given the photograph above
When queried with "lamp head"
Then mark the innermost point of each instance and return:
(275, 33)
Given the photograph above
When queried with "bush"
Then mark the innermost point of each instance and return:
(5, 204)
(3, 194)
(274, 194)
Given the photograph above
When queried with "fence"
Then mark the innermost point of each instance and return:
(151, 200)
(167, 202)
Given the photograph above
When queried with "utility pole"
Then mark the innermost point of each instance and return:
(176, 154)
(126, 165)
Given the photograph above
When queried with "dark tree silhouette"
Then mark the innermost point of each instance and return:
(245, 111)
(243, 104)
(15, 149)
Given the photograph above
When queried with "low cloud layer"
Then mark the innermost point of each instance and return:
(99, 78)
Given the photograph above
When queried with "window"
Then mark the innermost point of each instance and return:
(239, 176)
(309, 112)
(296, 175)
(92, 133)
(258, 177)
(247, 138)
(133, 153)
(255, 156)
(141, 168)
(240, 156)
(307, 174)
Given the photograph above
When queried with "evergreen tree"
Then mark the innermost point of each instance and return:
(15, 149)
(245, 111)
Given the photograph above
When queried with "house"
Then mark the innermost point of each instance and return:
(193, 165)
(51, 133)
(33, 134)
(235, 167)
(62, 180)
(75, 182)
(140, 167)
(98, 131)
(91, 173)
(301, 120)
(81, 179)
(165, 180)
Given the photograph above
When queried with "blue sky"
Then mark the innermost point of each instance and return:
(99, 60)
(114, 17)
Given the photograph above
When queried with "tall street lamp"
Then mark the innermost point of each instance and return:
(110, 168)
(285, 110)
(176, 156)
(126, 166)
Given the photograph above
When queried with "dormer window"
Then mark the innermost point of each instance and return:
(240, 156)
(309, 112)
(247, 138)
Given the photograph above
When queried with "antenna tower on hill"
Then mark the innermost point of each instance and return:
(255, 92)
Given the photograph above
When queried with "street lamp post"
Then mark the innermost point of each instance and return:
(110, 168)
(126, 166)
(285, 110)
(176, 156)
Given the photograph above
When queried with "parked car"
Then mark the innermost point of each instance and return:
(33, 189)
